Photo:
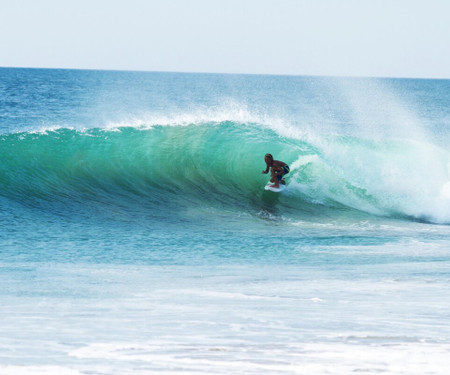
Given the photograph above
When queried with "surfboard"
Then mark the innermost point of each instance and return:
(270, 187)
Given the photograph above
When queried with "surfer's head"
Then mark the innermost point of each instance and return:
(268, 158)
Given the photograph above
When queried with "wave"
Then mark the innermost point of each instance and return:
(166, 170)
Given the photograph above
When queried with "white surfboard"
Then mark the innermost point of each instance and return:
(270, 187)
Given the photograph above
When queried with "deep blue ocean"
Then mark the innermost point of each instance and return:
(136, 236)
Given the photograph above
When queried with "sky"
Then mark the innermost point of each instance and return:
(377, 38)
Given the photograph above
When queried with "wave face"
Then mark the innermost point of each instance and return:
(167, 171)
(179, 146)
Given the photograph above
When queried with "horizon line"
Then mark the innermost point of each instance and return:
(228, 73)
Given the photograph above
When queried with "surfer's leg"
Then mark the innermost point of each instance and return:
(286, 170)
(273, 178)
(277, 178)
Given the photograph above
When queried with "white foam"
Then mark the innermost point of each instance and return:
(37, 370)
(411, 176)
(396, 356)
(396, 176)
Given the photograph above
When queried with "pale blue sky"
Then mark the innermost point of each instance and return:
(393, 38)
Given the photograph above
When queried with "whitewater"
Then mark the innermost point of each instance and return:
(136, 235)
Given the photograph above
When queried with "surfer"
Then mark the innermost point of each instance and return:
(277, 170)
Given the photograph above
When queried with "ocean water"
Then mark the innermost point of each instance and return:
(136, 236)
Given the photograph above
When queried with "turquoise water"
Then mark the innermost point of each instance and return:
(136, 236)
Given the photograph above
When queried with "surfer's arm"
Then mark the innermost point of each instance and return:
(266, 171)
